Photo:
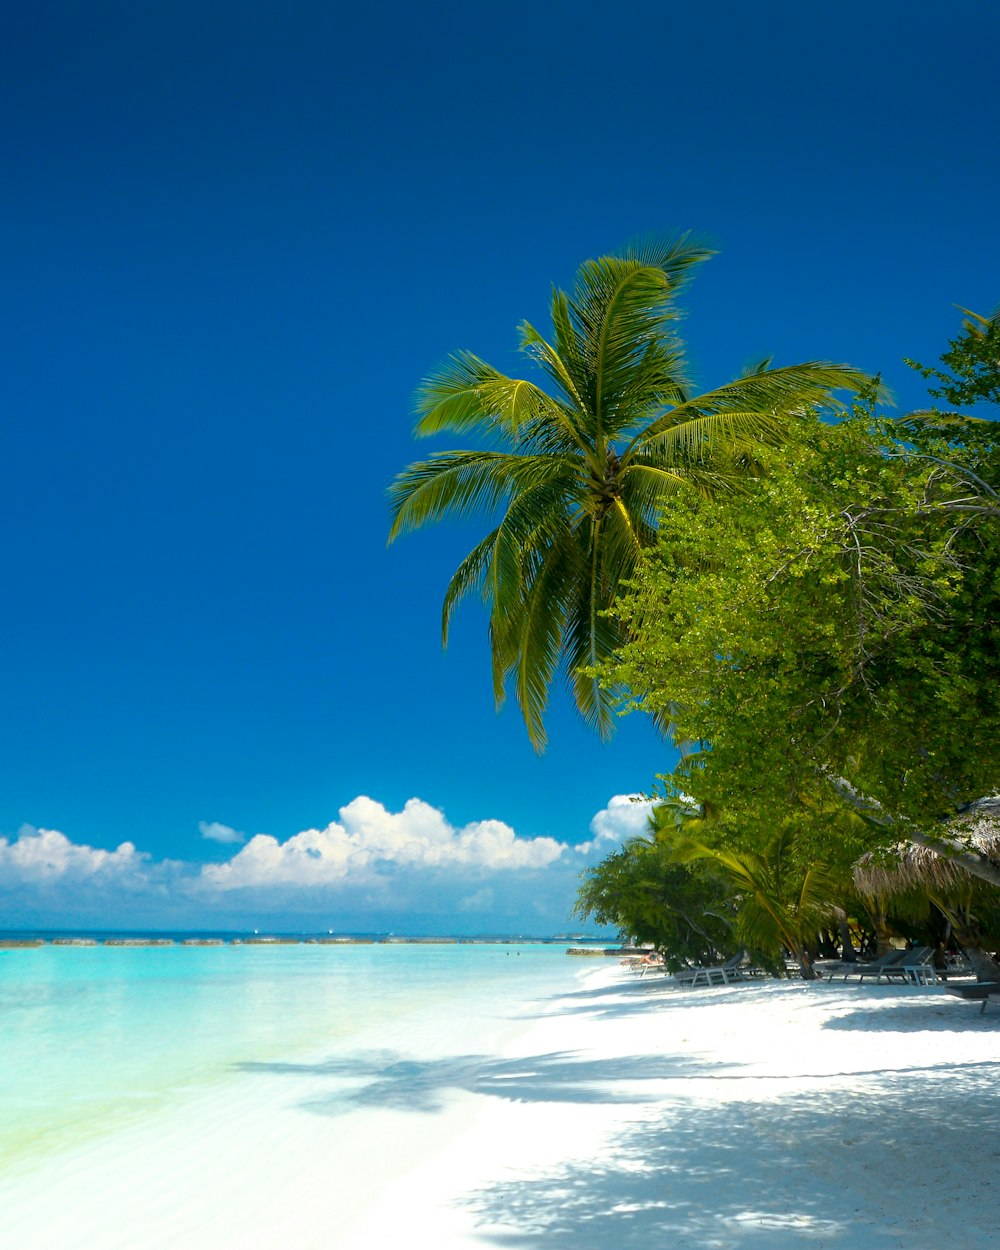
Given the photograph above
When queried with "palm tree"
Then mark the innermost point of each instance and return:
(580, 473)
(783, 904)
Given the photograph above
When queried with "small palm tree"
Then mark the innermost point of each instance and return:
(581, 473)
(783, 905)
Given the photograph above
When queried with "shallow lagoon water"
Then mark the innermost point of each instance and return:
(97, 1039)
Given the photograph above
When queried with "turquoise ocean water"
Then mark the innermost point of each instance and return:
(95, 1039)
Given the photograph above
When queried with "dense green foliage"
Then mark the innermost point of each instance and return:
(580, 467)
(781, 902)
(837, 621)
(824, 642)
(700, 901)
(646, 894)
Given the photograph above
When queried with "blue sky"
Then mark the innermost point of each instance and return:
(237, 236)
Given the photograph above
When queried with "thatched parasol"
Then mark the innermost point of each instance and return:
(907, 866)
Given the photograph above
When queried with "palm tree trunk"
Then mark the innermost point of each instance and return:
(984, 965)
(883, 939)
(847, 953)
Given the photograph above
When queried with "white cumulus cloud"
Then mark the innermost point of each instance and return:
(216, 832)
(368, 838)
(624, 817)
(371, 869)
(46, 855)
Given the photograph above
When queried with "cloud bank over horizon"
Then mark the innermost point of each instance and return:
(369, 871)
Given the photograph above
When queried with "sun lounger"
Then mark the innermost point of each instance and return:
(652, 964)
(721, 975)
(892, 960)
(642, 963)
(917, 968)
(975, 991)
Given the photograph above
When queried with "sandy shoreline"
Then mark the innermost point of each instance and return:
(622, 1115)
(776, 1116)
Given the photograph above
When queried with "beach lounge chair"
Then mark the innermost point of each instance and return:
(870, 970)
(721, 975)
(917, 968)
(984, 990)
(651, 963)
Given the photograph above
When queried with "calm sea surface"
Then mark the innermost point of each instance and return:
(94, 1039)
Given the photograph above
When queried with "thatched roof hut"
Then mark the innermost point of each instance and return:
(907, 866)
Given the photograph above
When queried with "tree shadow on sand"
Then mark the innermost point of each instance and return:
(828, 1168)
(710, 1156)
(717, 1158)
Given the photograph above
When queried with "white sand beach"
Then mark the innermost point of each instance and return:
(623, 1115)
(777, 1115)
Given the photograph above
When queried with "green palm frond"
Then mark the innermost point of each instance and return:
(710, 479)
(594, 703)
(694, 440)
(467, 394)
(497, 565)
(782, 904)
(541, 633)
(687, 850)
(469, 576)
(751, 402)
(978, 325)
(924, 418)
(450, 483)
(760, 928)
(646, 486)
(534, 522)
(562, 362)
(672, 815)
(591, 635)
(659, 381)
(626, 309)
(677, 255)
(626, 534)
(620, 306)
(457, 483)
(817, 898)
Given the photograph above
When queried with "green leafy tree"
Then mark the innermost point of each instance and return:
(972, 361)
(648, 895)
(831, 636)
(578, 467)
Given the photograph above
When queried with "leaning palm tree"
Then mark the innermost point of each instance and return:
(577, 472)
